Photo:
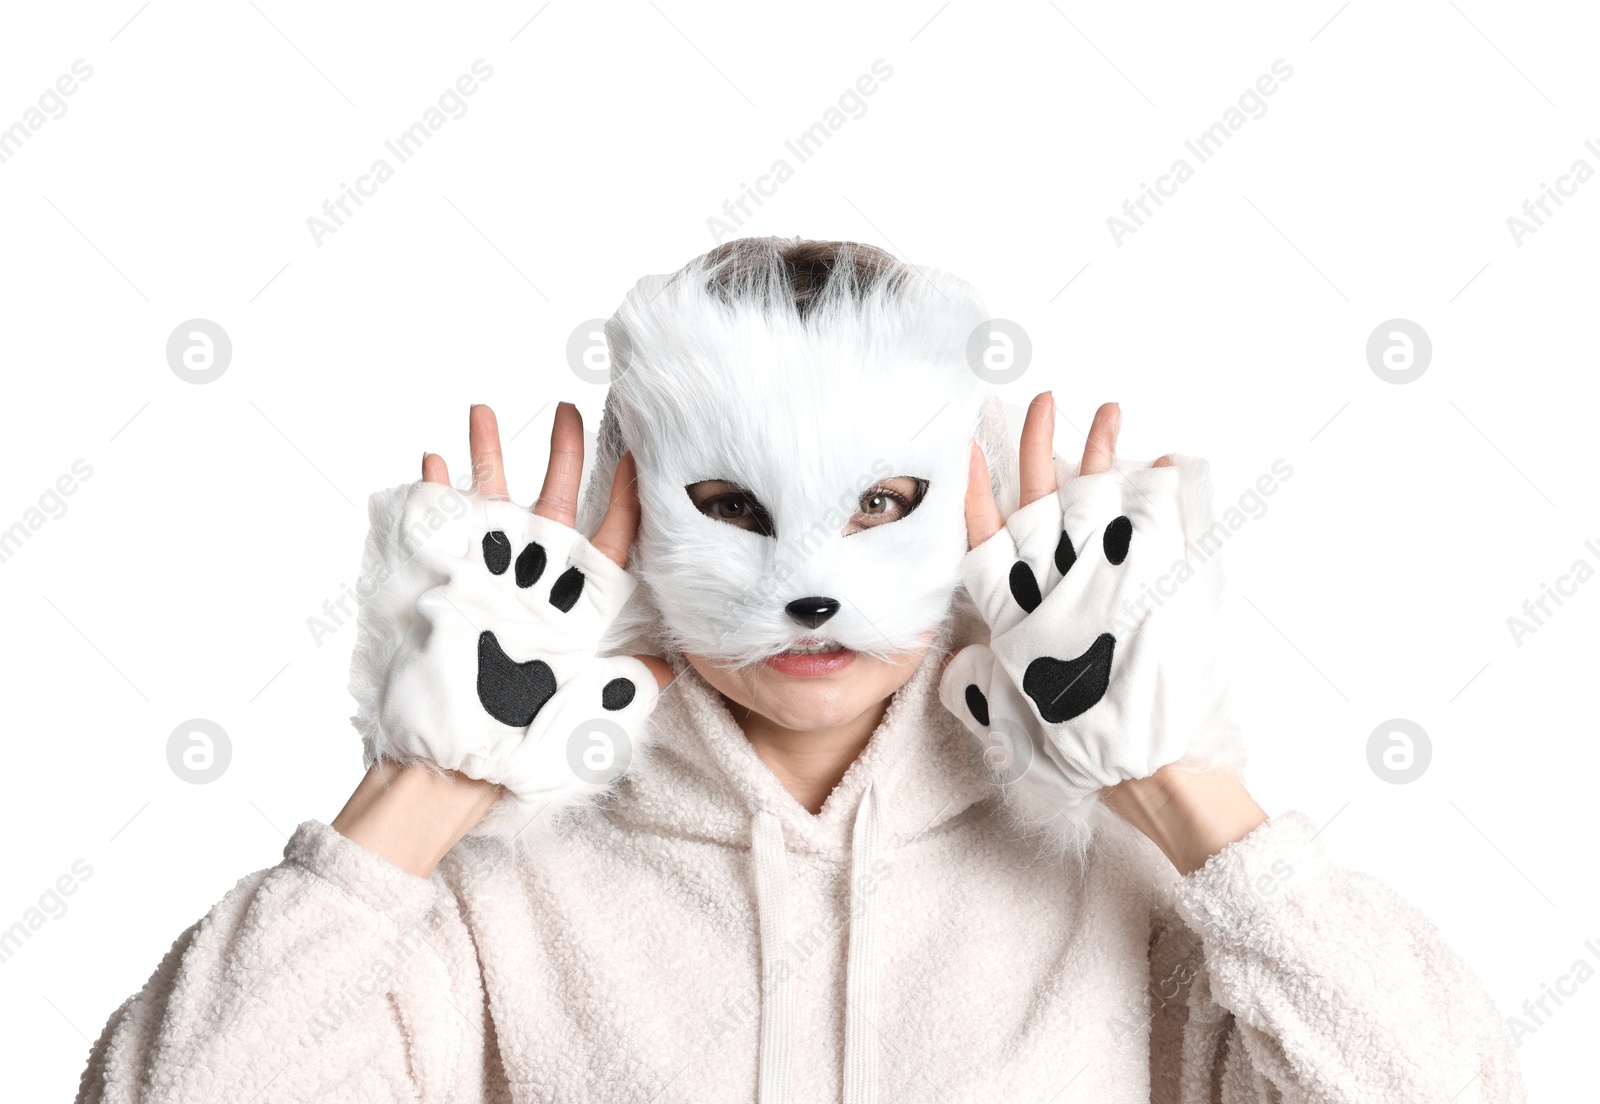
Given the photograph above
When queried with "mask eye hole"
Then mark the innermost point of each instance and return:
(725, 501)
(887, 501)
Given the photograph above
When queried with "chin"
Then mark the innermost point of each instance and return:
(811, 702)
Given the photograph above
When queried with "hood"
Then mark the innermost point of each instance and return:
(702, 781)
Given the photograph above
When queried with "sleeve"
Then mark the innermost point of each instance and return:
(334, 975)
(1276, 975)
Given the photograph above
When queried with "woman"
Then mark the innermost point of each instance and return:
(763, 857)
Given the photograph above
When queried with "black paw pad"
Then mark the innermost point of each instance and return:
(564, 595)
(530, 565)
(1116, 539)
(617, 693)
(978, 705)
(1024, 587)
(1065, 556)
(1062, 689)
(511, 692)
(496, 552)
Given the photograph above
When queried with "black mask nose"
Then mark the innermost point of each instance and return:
(812, 612)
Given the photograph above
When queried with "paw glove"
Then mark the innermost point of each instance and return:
(476, 651)
(1104, 603)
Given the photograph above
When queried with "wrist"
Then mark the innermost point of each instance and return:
(1189, 815)
(411, 815)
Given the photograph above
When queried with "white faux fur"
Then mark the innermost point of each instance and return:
(806, 414)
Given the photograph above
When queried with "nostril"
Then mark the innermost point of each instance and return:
(812, 612)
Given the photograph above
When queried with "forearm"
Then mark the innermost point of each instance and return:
(1189, 816)
(411, 815)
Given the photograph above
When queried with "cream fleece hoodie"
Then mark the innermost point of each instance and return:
(701, 937)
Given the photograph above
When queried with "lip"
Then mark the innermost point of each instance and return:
(811, 666)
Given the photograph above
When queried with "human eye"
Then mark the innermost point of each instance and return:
(722, 500)
(887, 501)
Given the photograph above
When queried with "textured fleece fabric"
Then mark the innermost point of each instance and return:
(623, 959)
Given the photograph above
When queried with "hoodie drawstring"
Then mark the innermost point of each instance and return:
(776, 1076)
(861, 981)
(776, 1079)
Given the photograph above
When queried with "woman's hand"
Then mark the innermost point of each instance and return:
(413, 815)
(1189, 815)
(1036, 463)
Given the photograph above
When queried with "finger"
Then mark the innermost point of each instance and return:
(621, 523)
(983, 516)
(658, 668)
(558, 498)
(1164, 462)
(483, 436)
(1038, 469)
(433, 468)
(1101, 445)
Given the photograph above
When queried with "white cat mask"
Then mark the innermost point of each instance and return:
(806, 409)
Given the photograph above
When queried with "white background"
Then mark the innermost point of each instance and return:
(219, 517)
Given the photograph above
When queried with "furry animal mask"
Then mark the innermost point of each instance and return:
(717, 374)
